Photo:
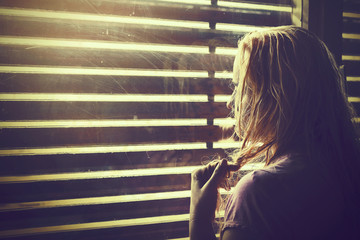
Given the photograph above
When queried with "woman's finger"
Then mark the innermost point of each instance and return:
(218, 174)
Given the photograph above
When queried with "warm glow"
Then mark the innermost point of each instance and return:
(101, 149)
(226, 51)
(228, 75)
(38, 42)
(100, 200)
(103, 18)
(236, 27)
(221, 98)
(99, 174)
(95, 200)
(352, 79)
(77, 97)
(95, 225)
(351, 36)
(253, 6)
(103, 123)
(223, 122)
(192, 2)
(351, 15)
(354, 99)
(108, 174)
(350, 58)
(225, 144)
(102, 71)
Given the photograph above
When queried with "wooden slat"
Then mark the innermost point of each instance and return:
(275, 2)
(109, 230)
(92, 136)
(108, 174)
(24, 55)
(351, 47)
(70, 29)
(47, 164)
(52, 190)
(352, 68)
(44, 83)
(92, 213)
(163, 11)
(110, 110)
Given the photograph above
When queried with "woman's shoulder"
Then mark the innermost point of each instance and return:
(287, 166)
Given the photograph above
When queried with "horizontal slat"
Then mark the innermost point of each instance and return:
(34, 69)
(104, 123)
(273, 2)
(173, 171)
(97, 187)
(94, 213)
(93, 58)
(162, 11)
(352, 78)
(111, 84)
(109, 110)
(37, 42)
(61, 97)
(208, 2)
(114, 123)
(98, 174)
(70, 29)
(350, 58)
(99, 149)
(144, 232)
(96, 225)
(47, 164)
(141, 198)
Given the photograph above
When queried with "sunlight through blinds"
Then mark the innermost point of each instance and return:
(107, 107)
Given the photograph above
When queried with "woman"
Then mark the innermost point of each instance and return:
(290, 110)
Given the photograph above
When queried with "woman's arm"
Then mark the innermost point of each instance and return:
(205, 182)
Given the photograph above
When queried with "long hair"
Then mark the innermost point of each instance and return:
(289, 97)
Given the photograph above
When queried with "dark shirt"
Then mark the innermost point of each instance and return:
(291, 199)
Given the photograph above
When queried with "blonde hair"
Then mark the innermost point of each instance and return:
(289, 97)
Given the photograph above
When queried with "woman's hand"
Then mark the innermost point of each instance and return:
(205, 182)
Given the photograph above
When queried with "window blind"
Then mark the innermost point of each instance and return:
(107, 107)
(351, 51)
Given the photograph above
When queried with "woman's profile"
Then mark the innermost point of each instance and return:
(291, 110)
